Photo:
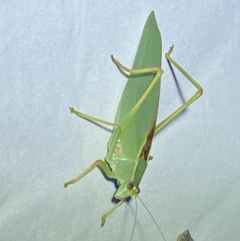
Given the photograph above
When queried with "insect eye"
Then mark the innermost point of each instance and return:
(138, 190)
(130, 185)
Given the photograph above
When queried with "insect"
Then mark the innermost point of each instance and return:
(135, 123)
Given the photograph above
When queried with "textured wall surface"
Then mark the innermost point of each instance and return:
(56, 54)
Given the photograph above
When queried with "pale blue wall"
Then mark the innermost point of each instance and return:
(56, 54)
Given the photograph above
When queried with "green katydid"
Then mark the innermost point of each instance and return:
(135, 122)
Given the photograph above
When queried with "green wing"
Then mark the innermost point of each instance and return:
(149, 54)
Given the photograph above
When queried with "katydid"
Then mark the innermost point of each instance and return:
(135, 123)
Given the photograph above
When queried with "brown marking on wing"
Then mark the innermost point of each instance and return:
(146, 148)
